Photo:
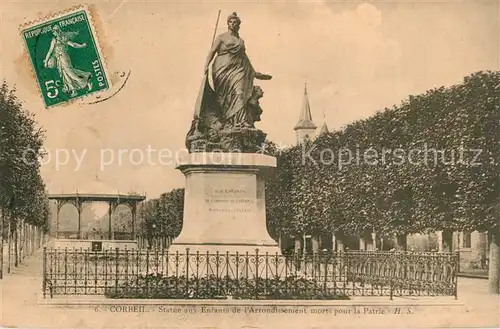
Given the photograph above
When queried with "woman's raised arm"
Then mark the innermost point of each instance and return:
(213, 51)
(77, 45)
(262, 76)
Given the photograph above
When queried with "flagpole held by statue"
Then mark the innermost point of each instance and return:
(199, 99)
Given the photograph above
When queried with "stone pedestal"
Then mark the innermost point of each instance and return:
(224, 204)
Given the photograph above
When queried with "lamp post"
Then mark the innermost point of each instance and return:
(153, 235)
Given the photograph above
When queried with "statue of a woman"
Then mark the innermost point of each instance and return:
(233, 75)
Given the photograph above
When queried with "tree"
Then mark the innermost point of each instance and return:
(162, 217)
(23, 200)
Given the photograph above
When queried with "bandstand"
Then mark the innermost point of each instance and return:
(113, 201)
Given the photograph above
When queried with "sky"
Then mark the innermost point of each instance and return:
(356, 57)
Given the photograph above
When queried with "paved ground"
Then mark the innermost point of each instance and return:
(20, 308)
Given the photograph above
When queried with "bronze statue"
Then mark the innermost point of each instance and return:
(225, 115)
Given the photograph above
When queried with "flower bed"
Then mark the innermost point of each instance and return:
(155, 286)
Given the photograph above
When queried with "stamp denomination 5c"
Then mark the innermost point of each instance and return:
(65, 55)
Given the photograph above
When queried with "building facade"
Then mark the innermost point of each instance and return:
(473, 247)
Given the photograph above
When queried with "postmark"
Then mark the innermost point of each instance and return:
(66, 59)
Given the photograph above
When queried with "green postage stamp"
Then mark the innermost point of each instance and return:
(65, 55)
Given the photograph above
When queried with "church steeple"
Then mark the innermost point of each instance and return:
(305, 127)
(324, 128)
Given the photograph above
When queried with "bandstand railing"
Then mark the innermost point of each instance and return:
(138, 273)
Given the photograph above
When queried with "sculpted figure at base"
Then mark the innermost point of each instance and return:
(225, 115)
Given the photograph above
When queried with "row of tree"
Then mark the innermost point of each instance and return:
(428, 164)
(24, 207)
(160, 219)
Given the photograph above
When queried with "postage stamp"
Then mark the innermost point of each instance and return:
(65, 56)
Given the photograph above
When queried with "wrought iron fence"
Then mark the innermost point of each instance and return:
(407, 273)
(138, 273)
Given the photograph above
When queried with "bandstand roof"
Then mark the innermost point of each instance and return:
(96, 190)
(98, 197)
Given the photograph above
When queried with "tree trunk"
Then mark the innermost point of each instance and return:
(494, 262)
(9, 246)
(22, 233)
(297, 244)
(362, 243)
(1, 242)
(374, 240)
(401, 242)
(315, 244)
(340, 242)
(16, 241)
(33, 233)
(32, 239)
(19, 242)
(23, 241)
(447, 240)
(37, 237)
(28, 239)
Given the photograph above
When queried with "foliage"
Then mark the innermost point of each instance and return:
(162, 216)
(22, 190)
(430, 163)
(278, 200)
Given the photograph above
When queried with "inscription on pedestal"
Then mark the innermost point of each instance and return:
(239, 199)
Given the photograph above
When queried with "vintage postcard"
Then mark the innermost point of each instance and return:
(271, 164)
